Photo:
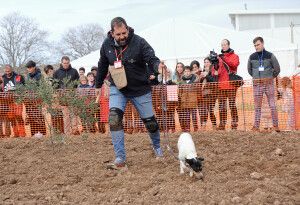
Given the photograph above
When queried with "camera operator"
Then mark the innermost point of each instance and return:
(225, 89)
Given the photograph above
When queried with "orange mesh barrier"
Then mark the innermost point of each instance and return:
(296, 89)
(190, 107)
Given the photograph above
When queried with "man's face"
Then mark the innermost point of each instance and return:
(224, 45)
(8, 71)
(81, 72)
(65, 64)
(31, 70)
(259, 46)
(120, 34)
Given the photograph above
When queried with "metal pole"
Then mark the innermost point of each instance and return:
(243, 107)
(292, 32)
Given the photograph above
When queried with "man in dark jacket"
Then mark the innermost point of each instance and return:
(263, 67)
(11, 79)
(66, 72)
(34, 113)
(66, 77)
(124, 48)
(34, 73)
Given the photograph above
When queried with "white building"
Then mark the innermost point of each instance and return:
(278, 24)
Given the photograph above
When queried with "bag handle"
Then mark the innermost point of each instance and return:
(225, 65)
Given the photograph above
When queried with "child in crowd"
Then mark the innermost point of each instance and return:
(288, 102)
(83, 82)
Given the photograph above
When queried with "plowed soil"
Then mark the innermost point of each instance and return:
(73, 171)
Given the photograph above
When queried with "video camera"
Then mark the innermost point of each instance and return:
(213, 57)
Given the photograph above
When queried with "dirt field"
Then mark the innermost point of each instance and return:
(35, 171)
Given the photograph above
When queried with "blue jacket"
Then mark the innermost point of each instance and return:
(37, 75)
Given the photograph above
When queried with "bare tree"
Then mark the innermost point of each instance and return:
(82, 40)
(21, 40)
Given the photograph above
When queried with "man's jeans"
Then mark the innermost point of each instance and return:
(259, 88)
(143, 105)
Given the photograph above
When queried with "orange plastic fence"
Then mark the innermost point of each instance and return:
(296, 89)
(189, 107)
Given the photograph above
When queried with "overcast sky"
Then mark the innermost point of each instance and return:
(57, 16)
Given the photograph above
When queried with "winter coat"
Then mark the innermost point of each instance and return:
(62, 74)
(9, 84)
(269, 62)
(231, 59)
(37, 75)
(222, 77)
(134, 59)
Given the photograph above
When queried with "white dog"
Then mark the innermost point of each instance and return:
(188, 157)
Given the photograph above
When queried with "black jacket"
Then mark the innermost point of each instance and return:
(188, 80)
(62, 74)
(135, 57)
(37, 75)
(9, 84)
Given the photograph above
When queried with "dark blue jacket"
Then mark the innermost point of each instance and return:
(37, 75)
(84, 86)
(135, 57)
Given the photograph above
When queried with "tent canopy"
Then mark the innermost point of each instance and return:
(184, 40)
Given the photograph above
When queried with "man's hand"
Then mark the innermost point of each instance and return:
(216, 72)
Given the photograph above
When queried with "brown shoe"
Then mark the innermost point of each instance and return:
(221, 128)
(234, 127)
(276, 129)
(129, 131)
(255, 129)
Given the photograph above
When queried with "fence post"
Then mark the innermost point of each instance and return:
(243, 107)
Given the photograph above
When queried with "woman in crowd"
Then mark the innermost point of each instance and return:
(177, 77)
(209, 95)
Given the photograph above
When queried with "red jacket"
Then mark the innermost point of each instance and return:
(231, 59)
(223, 76)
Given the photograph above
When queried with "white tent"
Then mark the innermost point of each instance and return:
(87, 61)
(184, 40)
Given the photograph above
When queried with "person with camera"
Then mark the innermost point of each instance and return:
(220, 70)
(126, 55)
(230, 61)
